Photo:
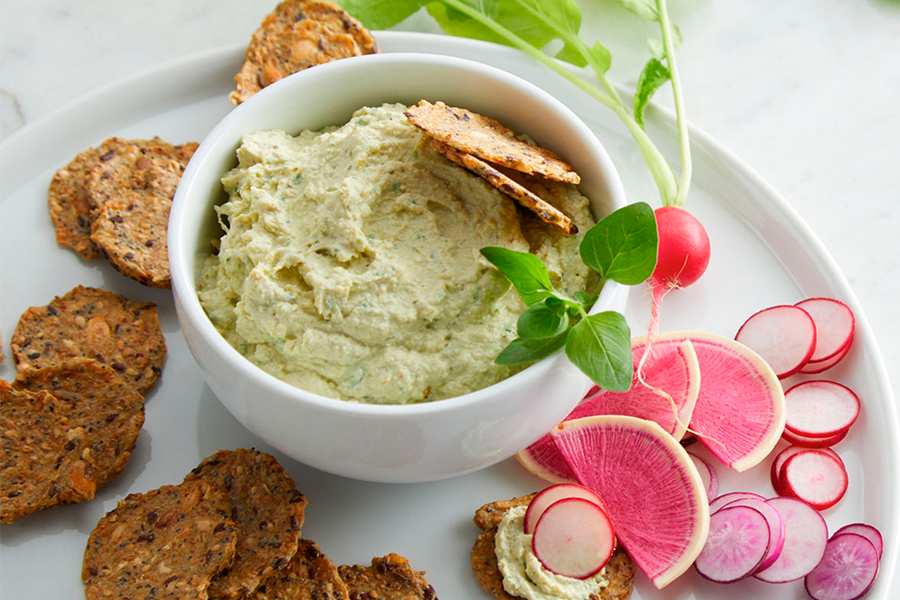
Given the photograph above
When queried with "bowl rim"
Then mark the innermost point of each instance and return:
(182, 266)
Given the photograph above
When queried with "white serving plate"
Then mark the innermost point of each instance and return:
(763, 254)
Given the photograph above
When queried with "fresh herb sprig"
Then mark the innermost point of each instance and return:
(530, 25)
(621, 247)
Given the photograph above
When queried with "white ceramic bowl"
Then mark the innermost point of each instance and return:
(373, 442)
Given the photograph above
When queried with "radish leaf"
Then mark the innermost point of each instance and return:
(543, 319)
(654, 75)
(525, 350)
(645, 9)
(600, 345)
(622, 246)
(525, 271)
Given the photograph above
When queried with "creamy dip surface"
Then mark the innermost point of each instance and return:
(349, 265)
(523, 573)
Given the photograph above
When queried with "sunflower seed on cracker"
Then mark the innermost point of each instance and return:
(93, 323)
(41, 463)
(267, 509)
(388, 578)
(310, 575)
(297, 35)
(543, 209)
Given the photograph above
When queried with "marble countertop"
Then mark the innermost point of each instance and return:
(806, 92)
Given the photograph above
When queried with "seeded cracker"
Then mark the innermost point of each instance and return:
(388, 578)
(70, 208)
(41, 461)
(544, 210)
(619, 570)
(485, 138)
(309, 576)
(267, 509)
(93, 323)
(297, 35)
(165, 544)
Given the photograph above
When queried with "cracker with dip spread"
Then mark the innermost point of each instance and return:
(267, 509)
(41, 462)
(619, 571)
(297, 35)
(388, 578)
(166, 543)
(95, 399)
(310, 575)
(93, 323)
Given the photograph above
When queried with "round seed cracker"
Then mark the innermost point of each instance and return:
(41, 462)
(388, 578)
(297, 35)
(70, 208)
(485, 138)
(93, 323)
(309, 576)
(268, 511)
(94, 398)
(132, 232)
(165, 544)
(545, 211)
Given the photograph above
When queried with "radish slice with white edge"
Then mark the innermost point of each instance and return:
(725, 499)
(868, 532)
(549, 495)
(775, 524)
(574, 538)
(812, 442)
(819, 366)
(708, 475)
(737, 544)
(784, 336)
(834, 326)
(814, 477)
(820, 408)
(785, 454)
(805, 537)
(847, 569)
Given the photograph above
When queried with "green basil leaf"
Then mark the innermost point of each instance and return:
(645, 9)
(622, 246)
(525, 271)
(654, 75)
(525, 350)
(600, 346)
(585, 299)
(542, 321)
(381, 14)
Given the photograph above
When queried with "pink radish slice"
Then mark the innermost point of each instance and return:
(820, 408)
(549, 495)
(785, 336)
(811, 368)
(708, 475)
(726, 499)
(814, 477)
(805, 537)
(847, 570)
(574, 537)
(737, 544)
(834, 326)
(542, 459)
(812, 442)
(773, 521)
(785, 454)
(868, 532)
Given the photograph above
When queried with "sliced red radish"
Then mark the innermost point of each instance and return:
(820, 408)
(805, 537)
(708, 475)
(574, 538)
(811, 368)
(834, 326)
(785, 454)
(549, 495)
(814, 477)
(738, 542)
(847, 569)
(655, 496)
(812, 442)
(726, 499)
(867, 531)
(773, 521)
(785, 336)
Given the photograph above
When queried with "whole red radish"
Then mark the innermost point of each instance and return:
(683, 248)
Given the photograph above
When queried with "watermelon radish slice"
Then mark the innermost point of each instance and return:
(549, 495)
(814, 477)
(847, 569)
(739, 415)
(774, 523)
(812, 442)
(654, 493)
(820, 408)
(542, 459)
(785, 336)
(820, 366)
(805, 537)
(708, 475)
(737, 544)
(730, 497)
(834, 326)
(574, 538)
(868, 532)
